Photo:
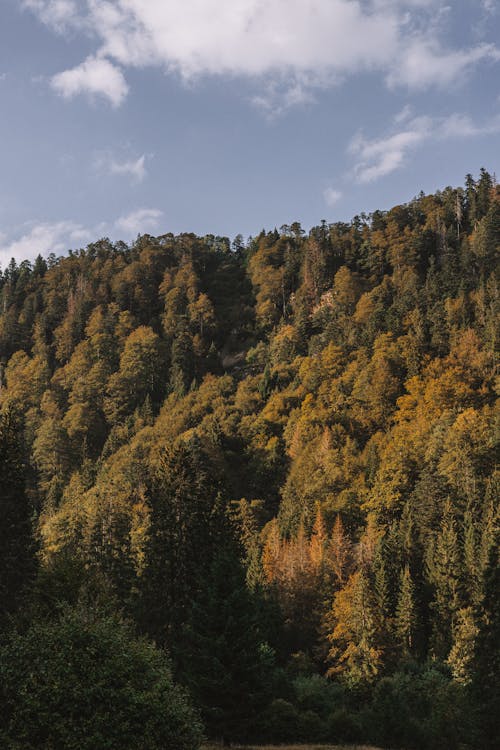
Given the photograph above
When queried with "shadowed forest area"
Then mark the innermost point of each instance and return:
(249, 489)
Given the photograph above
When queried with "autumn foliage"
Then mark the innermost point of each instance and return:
(326, 400)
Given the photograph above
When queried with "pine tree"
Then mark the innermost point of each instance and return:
(406, 618)
(180, 540)
(182, 359)
(17, 562)
(444, 569)
(484, 189)
(461, 656)
(485, 688)
(225, 662)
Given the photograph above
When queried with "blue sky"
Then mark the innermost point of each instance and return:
(229, 116)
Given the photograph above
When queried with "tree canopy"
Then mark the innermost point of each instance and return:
(332, 395)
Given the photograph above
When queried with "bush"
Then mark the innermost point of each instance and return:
(280, 722)
(83, 682)
(283, 722)
(344, 726)
(417, 708)
(315, 693)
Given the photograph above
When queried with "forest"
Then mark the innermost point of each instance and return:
(249, 488)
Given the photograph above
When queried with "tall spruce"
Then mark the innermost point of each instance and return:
(226, 662)
(485, 688)
(406, 617)
(17, 560)
(180, 544)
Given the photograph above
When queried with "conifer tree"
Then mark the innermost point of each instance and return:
(485, 688)
(226, 662)
(17, 562)
(182, 362)
(406, 617)
(444, 572)
(180, 540)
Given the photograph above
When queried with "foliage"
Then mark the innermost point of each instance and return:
(83, 681)
(334, 392)
(17, 548)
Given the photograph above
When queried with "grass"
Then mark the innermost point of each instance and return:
(293, 747)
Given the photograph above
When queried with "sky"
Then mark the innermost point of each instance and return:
(120, 117)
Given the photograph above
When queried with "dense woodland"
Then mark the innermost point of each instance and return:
(276, 460)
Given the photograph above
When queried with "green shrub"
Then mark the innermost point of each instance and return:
(83, 682)
(311, 728)
(315, 693)
(344, 726)
(417, 708)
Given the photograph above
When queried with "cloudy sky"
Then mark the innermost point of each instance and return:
(229, 116)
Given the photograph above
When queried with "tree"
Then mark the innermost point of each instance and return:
(179, 546)
(17, 561)
(52, 449)
(485, 687)
(355, 653)
(82, 682)
(339, 552)
(406, 619)
(444, 573)
(226, 662)
(142, 372)
(182, 356)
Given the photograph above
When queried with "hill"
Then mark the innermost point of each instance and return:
(294, 435)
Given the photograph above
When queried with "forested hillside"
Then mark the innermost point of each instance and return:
(277, 457)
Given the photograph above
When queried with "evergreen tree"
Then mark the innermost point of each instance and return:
(406, 618)
(180, 540)
(17, 562)
(182, 358)
(226, 662)
(484, 190)
(485, 688)
(444, 571)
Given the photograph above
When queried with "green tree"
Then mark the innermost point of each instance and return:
(83, 682)
(179, 544)
(444, 570)
(17, 561)
(485, 687)
(406, 617)
(182, 371)
(227, 665)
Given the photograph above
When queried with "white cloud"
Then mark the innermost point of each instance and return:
(135, 169)
(96, 76)
(462, 126)
(43, 239)
(404, 114)
(287, 47)
(281, 93)
(381, 156)
(58, 237)
(137, 222)
(244, 37)
(59, 14)
(490, 6)
(331, 196)
(424, 64)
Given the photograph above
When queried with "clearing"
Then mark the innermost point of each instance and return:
(293, 747)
